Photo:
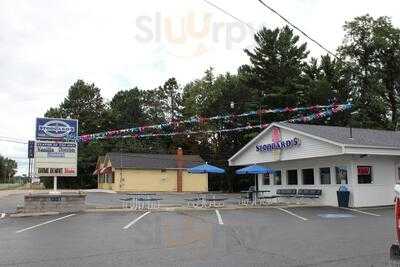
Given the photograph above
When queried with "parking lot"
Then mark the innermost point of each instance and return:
(317, 236)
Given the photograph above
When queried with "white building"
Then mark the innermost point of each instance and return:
(323, 157)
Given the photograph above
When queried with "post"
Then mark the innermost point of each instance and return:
(55, 192)
(29, 169)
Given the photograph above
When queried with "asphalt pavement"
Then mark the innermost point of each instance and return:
(317, 236)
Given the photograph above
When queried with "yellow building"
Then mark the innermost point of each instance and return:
(150, 172)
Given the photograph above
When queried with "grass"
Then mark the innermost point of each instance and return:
(9, 186)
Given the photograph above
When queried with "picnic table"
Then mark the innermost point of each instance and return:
(251, 196)
(205, 200)
(140, 201)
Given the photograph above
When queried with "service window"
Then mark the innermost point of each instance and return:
(277, 177)
(292, 177)
(308, 176)
(364, 174)
(325, 175)
(341, 174)
(266, 179)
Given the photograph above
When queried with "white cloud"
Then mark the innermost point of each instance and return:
(46, 45)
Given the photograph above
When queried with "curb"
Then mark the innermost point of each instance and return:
(22, 215)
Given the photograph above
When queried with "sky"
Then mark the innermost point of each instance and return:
(46, 45)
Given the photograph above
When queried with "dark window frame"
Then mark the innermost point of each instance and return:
(280, 177)
(289, 182)
(320, 175)
(365, 179)
(303, 178)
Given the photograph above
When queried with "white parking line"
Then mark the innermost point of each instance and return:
(2, 215)
(363, 212)
(135, 220)
(219, 217)
(293, 214)
(44, 223)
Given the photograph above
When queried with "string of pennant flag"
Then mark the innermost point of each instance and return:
(134, 133)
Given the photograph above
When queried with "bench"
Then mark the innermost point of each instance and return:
(309, 193)
(286, 192)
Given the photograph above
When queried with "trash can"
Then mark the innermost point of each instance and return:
(343, 196)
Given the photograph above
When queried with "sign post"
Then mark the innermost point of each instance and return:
(31, 155)
(55, 192)
(56, 149)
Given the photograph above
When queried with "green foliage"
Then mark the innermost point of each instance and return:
(277, 66)
(8, 168)
(372, 48)
(280, 74)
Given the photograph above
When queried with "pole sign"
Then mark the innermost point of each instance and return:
(56, 158)
(31, 149)
(56, 129)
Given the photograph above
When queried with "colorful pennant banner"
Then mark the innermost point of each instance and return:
(319, 115)
(136, 131)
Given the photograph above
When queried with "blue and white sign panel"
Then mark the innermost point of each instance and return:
(56, 158)
(56, 129)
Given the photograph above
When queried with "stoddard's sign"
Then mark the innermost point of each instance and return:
(284, 144)
(56, 129)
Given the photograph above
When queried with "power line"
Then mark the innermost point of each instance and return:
(230, 15)
(281, 16)
(13, 141)
(298, 29)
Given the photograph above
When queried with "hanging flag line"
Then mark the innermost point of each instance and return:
(319, 115)
(130, 131)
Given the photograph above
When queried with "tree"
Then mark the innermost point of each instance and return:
(126, 108)
(171, 99)
(84, 103)
(277, 67)
(372, 50)
(8, 168)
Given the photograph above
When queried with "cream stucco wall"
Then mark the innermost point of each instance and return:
(156, 181)
(194, 182)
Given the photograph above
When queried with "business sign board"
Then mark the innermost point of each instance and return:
(31, 149)
(284, 144)
(56, 129)
(56, 158)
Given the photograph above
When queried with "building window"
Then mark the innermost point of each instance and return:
(266, 179)
(292, 177)
(277, 177)
(113, 178)
(398, 174)
(308, 176)
(325, 175)
(341, 174)
(364, 174)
